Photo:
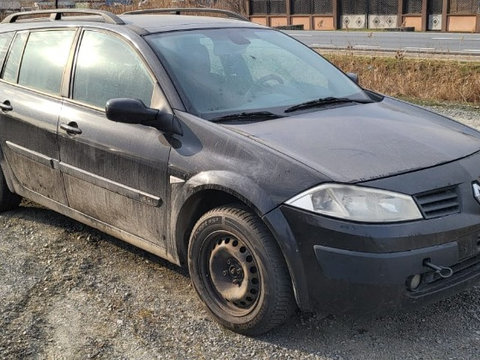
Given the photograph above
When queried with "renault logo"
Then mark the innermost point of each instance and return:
(476, 191)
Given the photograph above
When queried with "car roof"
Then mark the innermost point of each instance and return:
(160, 23)
(141, 23)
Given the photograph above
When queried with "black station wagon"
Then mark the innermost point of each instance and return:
(235, 150)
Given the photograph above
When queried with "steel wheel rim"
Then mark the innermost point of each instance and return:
(231, 273)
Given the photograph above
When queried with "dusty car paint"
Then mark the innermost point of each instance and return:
(148, 187)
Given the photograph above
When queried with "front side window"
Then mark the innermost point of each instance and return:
(44, 60)
(108, 68)
(10, 73)
(221, 71)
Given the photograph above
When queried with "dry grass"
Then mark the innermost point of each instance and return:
(422, 79)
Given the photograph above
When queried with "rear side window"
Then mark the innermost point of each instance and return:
(108, 68)
(13, 63)
(44, 60)
(5, 40)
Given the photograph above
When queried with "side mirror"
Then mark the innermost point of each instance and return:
(353, 77)
(133, 111)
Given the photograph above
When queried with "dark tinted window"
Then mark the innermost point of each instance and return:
(11, 68)
(44, 60)
(5, 40)
(108, 68)
(412, 6)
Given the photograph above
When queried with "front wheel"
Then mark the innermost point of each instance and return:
(8, 200)
(239, 272)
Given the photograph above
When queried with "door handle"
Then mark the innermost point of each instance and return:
(71, 128)
(6, 106)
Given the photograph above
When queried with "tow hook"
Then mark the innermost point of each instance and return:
(444, 271)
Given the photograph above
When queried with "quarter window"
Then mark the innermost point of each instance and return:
(108, 68)
(44, 60)
(5, 40)
(11, 68)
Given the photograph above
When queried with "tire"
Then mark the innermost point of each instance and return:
(8, 200)
(239, 272)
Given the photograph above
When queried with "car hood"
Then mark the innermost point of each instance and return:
(361, 142)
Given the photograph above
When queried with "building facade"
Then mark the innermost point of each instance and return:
(8, 5)
(422, 15)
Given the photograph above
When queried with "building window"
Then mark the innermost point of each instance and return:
(264, 7)
(312, 7)
(383, 7)
(348, 7)
(464, 7)
(435, 6)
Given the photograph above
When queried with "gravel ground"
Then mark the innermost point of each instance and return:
(70, 292)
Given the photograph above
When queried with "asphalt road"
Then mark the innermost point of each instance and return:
(434, 42)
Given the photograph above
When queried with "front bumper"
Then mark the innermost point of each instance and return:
(384, 279)
(372, 269)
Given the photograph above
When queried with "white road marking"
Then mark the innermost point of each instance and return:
(323, 45)
(366, 46)
(460, 38)
(446, 38)
(472, 50)
(418, 48)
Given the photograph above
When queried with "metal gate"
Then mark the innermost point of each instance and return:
(434, 9)
(383, 14)
(374, 14)
(353, 14)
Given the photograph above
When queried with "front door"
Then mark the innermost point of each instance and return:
(113, 172)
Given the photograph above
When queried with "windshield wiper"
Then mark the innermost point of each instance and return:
(324, 101)
(253, 116)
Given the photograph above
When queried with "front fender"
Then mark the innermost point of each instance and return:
(234, 184)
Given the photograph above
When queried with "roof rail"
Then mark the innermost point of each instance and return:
(178, 11)
(57, 14)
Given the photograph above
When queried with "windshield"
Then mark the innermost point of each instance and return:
(230, 70)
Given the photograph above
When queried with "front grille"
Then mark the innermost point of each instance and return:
(439, 202)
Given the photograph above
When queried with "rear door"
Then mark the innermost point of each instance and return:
(30, 103)
(113, 172)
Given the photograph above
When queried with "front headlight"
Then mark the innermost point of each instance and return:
(357, 203)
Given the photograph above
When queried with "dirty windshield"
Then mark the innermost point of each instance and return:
(226, 71)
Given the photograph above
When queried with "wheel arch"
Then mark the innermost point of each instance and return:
(199, 203)
(206, 191)
(204, 196)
